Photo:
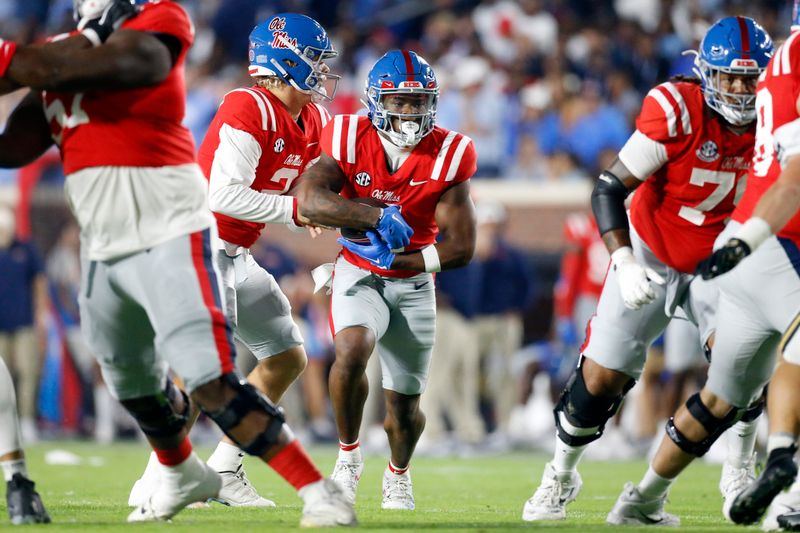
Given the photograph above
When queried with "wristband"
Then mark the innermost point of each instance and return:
(430, 256)
(7, 50)
(754, 232)
(621, 255)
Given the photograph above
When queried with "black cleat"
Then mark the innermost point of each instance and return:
(790, 521)
(750, 505)
(24, 504)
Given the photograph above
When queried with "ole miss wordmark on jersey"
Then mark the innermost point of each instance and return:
(280, 152)
(134, 128)
(778, 125)
(680, 210)
(441, 159)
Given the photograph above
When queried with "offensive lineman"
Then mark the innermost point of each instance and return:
(686, 160)
(113, 101)
(398, 155)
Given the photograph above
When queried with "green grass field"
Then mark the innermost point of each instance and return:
(482, 494)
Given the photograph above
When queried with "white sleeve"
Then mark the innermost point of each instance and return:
(787, 141)
(642, 155)
(232, 173)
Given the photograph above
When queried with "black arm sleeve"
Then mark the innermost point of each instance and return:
(608, 203)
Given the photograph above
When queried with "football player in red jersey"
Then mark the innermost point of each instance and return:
(762, 293)
(381, 295)
(687, 160)
(258, 143)
(113, 102)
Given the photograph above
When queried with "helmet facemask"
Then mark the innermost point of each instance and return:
(737, 108)
(319, 74)
(412, 127)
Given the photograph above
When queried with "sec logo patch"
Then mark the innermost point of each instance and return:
(363, 179)
(279, 145)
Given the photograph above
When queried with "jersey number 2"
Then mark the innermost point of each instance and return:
(288, 174)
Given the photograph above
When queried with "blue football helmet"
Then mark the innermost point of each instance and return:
(402, 72)
(738, 46)
(293, 48)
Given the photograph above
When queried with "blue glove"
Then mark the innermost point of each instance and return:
(393, 228)
(377, 252)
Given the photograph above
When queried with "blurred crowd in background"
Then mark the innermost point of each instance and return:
(548, 89)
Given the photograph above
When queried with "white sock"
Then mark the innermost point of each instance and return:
(9, 423)
(151, 471)
(780, 440)
(13, 466)
(741, 443)
(566, 457)
(653, 486)
(350, 456)
(226, 458)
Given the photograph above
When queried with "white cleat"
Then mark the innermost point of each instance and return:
(189, 482)
(785, 502)
(550, 500)
(237, 491)
(631, 509)
(347, 474)
(326, 505)
(145, 485)
(733, 481)
(397, 491)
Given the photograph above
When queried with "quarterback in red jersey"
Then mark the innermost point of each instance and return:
(686, 160)
(382, 296)
(257, 144)
(762, 292)
(151, 299)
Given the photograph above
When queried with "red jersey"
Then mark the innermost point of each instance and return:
(776, 96)
(584, 264)
(283, 148)
(129, 128)
(441, 160)
(684, 205)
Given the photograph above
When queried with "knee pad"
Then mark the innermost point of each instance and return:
(580, 416)
(158, 415)
(714, 426)
(248, 400)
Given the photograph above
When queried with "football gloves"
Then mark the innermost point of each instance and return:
(393, 228)
(377, 252)
(634, 279)
(99, 29)
(723, 259)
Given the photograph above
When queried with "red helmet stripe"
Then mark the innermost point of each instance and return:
(409, 66)
(745, 38)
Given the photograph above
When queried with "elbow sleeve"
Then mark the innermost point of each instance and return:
(608, 203)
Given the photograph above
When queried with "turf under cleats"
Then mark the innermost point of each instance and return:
(398, 493)
(326, 505)
(189, 482)
(24, 503)
(347, 474)
(237, 491)
(750, 504)
(550, 500)
(733, 481)
(632, 509)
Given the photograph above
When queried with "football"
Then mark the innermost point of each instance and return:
(357, 235)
